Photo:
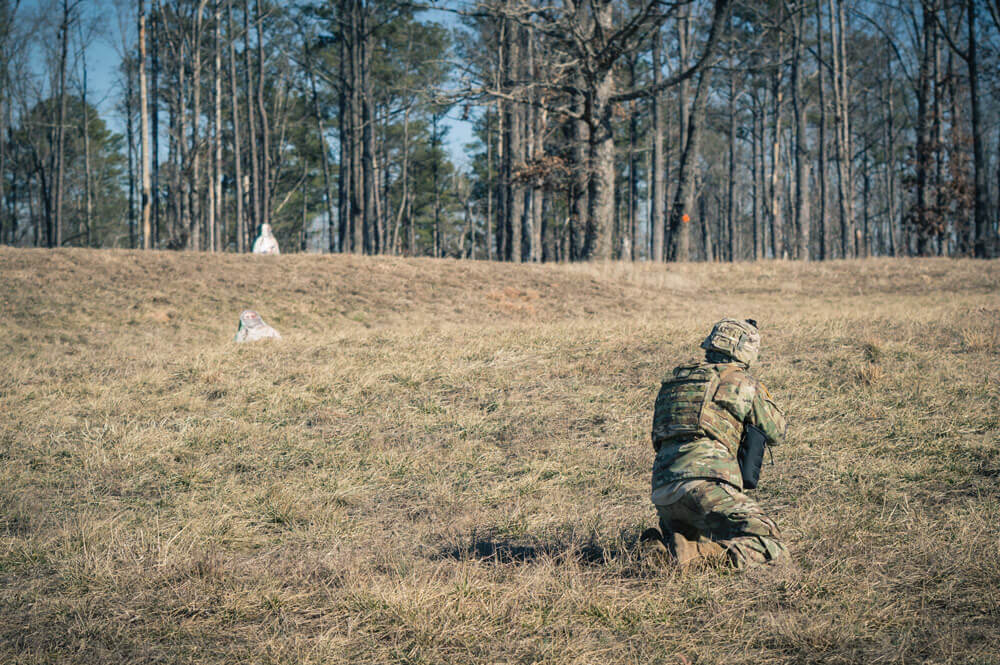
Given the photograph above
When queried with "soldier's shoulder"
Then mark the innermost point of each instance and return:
(759, 385)
(687, 367)
(732, 371)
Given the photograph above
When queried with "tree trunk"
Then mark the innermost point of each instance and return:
(380, 168)
(343, 129)
(775, 218)
(254, 193)
(304, 221)
(265, 156)
(324, 159)
(996, 247)
(6, 207)
(890, 234)
(370, 214)
(753, 182)
(865, 249)
(802, 223)
(130, 140)
(821, 170)
(384, 210)
(197, 222)
(731, 171)
(708, 238)
(758, 223)
(500, 233)
(182, 184)
(61, 126)
(404, 178)
(215, 208)
(173, 200)
(87, 186)
(540, 119)
(682, 90)
(147, 236)
(537, 120)
(601, 190)
(774, 194)
(845, 97)
(468, 247)
(658, 176)
(410, 231)
(923, 132)
(14, 199)
(490, 185)
(980, 248)
(683, 37)
(438, 240)
(354, 88)
(624, 245)
(501, 79)
(679, 246)
(620, 214)
(241, 228)
(549, 246)
(32, 218)
(514, 150)
(937, 141)
(580, 202)
(601, 166)
(154, 105)
(845, 192)
(628, 236)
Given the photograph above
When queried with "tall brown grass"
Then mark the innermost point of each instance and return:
(448, 462)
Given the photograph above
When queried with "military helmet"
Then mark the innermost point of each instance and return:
(737, 339)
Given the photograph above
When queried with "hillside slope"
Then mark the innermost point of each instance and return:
(448, 461)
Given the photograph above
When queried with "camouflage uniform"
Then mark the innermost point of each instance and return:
(698, 423)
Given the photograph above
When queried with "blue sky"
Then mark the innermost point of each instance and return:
(103, 59)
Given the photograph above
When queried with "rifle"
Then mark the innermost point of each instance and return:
(751, 455)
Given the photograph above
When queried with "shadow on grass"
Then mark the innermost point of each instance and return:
(504, 551)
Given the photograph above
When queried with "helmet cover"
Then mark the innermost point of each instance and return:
(738, 339)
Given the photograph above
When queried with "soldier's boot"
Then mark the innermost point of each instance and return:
(651, 545)
(687, 552)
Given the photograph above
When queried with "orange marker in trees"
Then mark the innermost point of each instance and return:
(685, 218)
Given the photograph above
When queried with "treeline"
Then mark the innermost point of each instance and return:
(688, 130)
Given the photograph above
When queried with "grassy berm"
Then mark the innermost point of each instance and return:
(448, 462)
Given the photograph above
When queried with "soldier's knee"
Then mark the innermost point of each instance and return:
(676, 526)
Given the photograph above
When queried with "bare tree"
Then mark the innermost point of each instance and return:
(195, 221)
(66, 18)
(658, 166)
(590, 43)
(970, 54)
(88, 171)
(147, 235)
(802, 157)
(678, 248)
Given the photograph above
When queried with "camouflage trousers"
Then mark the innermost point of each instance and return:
(726, 515)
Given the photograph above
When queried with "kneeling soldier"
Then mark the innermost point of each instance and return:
(701, 416)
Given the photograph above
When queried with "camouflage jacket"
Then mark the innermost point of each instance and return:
(699, 418)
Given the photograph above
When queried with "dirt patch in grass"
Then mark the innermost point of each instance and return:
(448, 462)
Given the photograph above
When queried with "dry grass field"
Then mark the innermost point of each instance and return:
(448, 462)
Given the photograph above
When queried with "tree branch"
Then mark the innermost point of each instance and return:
(721, 11)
